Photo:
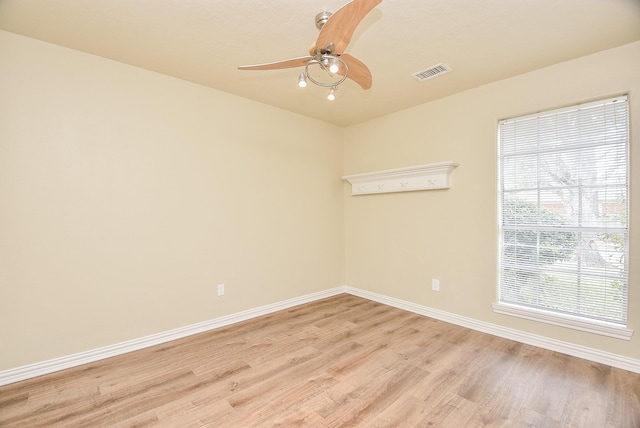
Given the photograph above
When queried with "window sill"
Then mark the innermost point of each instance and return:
(567, 321)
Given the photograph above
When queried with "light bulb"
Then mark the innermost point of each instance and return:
(302, 80)
(332, 94)
(334, 68)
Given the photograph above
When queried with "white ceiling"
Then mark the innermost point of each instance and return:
(203, 41)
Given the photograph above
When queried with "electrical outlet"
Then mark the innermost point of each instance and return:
(220, 289)
(435, 284)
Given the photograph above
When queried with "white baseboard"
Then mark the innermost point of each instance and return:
(57, 364)
(614, 360)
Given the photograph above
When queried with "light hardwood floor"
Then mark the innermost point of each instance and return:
(342, 361)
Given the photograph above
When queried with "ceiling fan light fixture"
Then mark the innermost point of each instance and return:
(325, 62)
(302, 80)
(330, 63)
(334, 67)
(332, 93)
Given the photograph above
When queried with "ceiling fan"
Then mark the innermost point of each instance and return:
(327, 60)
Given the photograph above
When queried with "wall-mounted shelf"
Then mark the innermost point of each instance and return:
(421, 177)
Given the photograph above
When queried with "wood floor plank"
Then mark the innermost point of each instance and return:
(339, 362)
(584, 408)
(623, 399)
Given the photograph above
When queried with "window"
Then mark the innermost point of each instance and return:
(563, 195)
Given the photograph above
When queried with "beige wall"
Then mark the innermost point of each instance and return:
(395, 243)
(126, 196)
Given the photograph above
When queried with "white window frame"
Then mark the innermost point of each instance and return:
(590, 325)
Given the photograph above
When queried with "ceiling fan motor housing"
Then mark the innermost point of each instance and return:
(322, 19)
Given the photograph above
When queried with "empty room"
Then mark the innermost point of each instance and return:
(366, 213)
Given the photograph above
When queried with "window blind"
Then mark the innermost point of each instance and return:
(563, 184)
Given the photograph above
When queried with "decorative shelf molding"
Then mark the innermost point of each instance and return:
(420, 177)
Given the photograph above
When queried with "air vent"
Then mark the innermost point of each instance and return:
(430, 72)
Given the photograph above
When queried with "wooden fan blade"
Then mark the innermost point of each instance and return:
(289, 63)
(341, 25)
(358, 72)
